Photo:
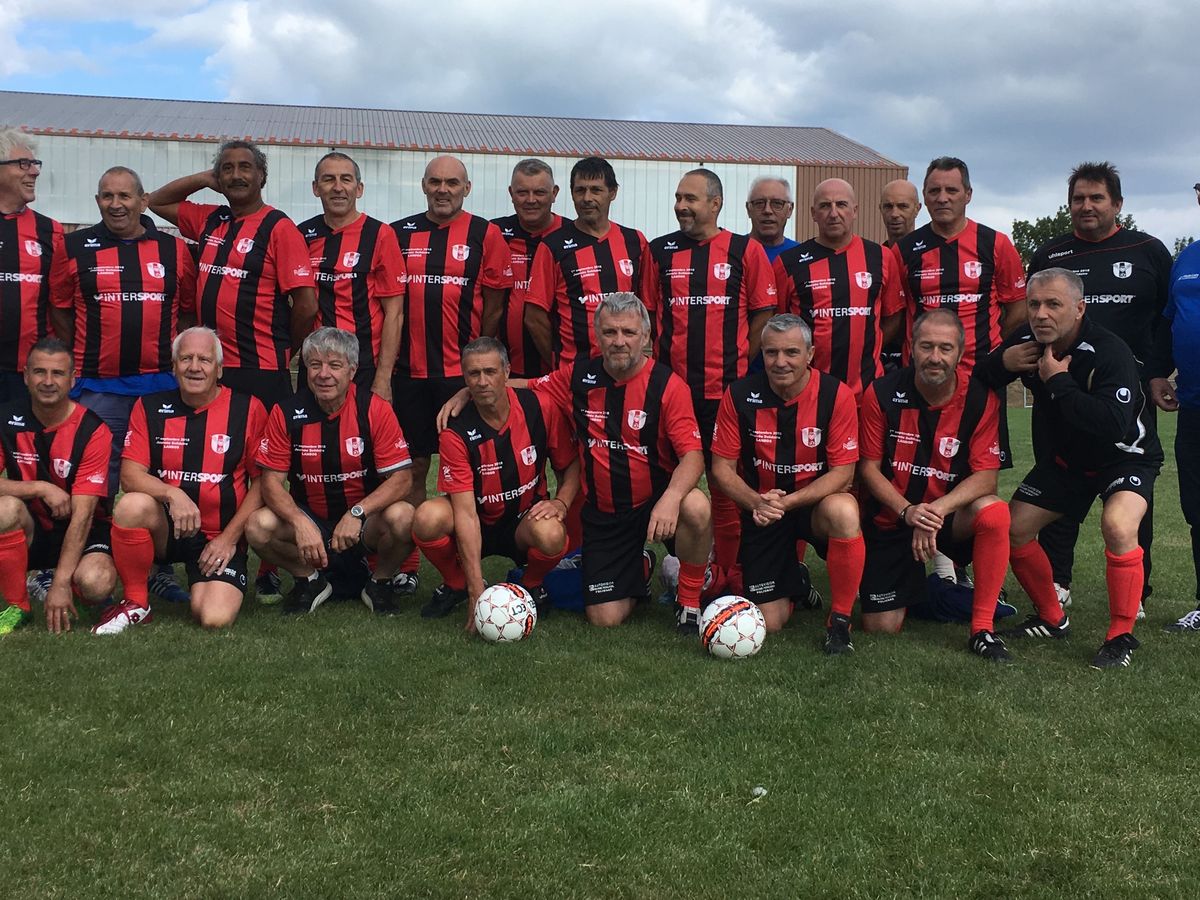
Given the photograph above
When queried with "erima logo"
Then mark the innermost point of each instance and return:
(919, 245)
(312, 232)
(91, 243)
(569, 244)
(754, 397)
(299, 414)
(473, 434)
(901, 397)
(410, 226)
(589, 378)
(506, 232)
(19, 421)
(670, 245)
(805, 257)
(167, 408)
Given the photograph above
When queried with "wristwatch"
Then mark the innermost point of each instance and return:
(358, 512)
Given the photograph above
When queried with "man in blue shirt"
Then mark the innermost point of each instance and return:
(769, 206)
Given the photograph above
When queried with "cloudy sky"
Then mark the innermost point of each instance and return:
(1021, 90)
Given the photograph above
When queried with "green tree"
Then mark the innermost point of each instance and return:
(1181, 244)
(1028, 236)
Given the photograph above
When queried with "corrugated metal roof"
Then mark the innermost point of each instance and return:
(411, 130)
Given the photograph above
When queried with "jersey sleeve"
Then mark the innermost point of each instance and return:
(727, 433)
(541, 278)
(137, 437)
(557, 387)
(1010, 274)
(891, 297)
(906, 301)
(985, 441)
(388, 275)
(679, 418)
(185, 277)
(192, 217)
(391, 449)
(64, 280)
(293, 267)
(275, 448)
(651, 292)
(496, 271)
(871, 427)
(256, 425)
(786, 298)
(91, 478)
(455, 475)
(761, 292)
(841, 443)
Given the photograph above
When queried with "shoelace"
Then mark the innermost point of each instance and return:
(1190, 620)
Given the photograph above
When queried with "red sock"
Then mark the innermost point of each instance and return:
(133, 556)
(537, 565)
(727, 529)
(14, 563)
(990, 561)
(1032, 568)
(412, 562)
(844, 561)
(443, 553)
(1124, 576)
(691, 582)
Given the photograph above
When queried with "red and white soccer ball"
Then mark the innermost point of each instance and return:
(732, 628)
(505, 613)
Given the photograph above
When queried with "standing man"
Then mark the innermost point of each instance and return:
(579, 265)
(358, 269)
(54, 502)
(252, 262)
(847, 289)
(1091, 439)
(769, 206)
(31, 246)
(899, 205)
(1126, 276)
(533, 193)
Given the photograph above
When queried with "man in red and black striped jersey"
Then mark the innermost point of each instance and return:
(533, 193)
(712, 291)
(957, 263)
(899, 206)
(30, 250)
(930, 453)
(847, 289)
(119, 299)
(785, 446)
(341, 450)
(492, 461)
(191, 483)
(577, 266)
(1126, 278)
(359, 271)
(1091, 438)
(252, 260)
(53, 504)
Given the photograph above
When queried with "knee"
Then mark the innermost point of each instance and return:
(95, 579)
(433, 520)
(840, 512)
(776, 614)
(11, 510)
(261, 527)
(209, 617)
(1120, 534)
(548, 535)
(607, 615)
(695, 511)
(398, 518)
(881, 623)
(136, 510)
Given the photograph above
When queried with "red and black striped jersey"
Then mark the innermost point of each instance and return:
(126, 297)
(704, 294)
(505, 468)
(571, 273)
(247, 268)
(334, 460)
(631, 434)
(844, 295)
(448, 267)
(72, 455)
(523, 355)
(974, 273)
(785, 444)
(208, 452)
(926, 451)
(355, 267)
(31, 250)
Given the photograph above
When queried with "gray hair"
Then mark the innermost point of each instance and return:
(1056, 274)
(12, 138)
(764, 179)
(123, 170)
(622, 302)
(218, 353)
(330, 340)
(945, 315)
(260, 158)
(533, 167)
(485, 344)
(786, 322)
(712, 181)
(332, 154)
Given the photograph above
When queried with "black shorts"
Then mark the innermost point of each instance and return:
(1052, 487)
(417, 402)
(1006, 460)
(47, 545)
(271, 386)
(706, 418)
(500, 539)
(612, 553)
(892, 579)
(187, 550)
(770, 564)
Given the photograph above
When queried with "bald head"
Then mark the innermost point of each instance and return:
(899, 205)
(834, 209)
(446, 186)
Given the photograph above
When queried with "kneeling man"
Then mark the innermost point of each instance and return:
(784, 450)
(341, 451)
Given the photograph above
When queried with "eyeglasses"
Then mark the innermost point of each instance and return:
(776, 205)
(25, 164)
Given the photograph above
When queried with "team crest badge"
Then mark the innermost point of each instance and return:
(62, 467)
(354, 446)
(529, 455)
(811, 437)
(626, 266)
(1122, 269)
(219, 443)
(350, 259)
(722, 271)
(948, 446)
(245, 245)
(636, 418)
(33, 248)
(862, 279)
(460, 252)
(973, 268)
(156, 270)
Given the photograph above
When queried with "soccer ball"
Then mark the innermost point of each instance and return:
(505, 613)
(732, 628)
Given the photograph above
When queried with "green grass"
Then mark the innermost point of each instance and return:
(339, 756)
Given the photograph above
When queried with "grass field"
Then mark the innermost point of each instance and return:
(339, 756)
